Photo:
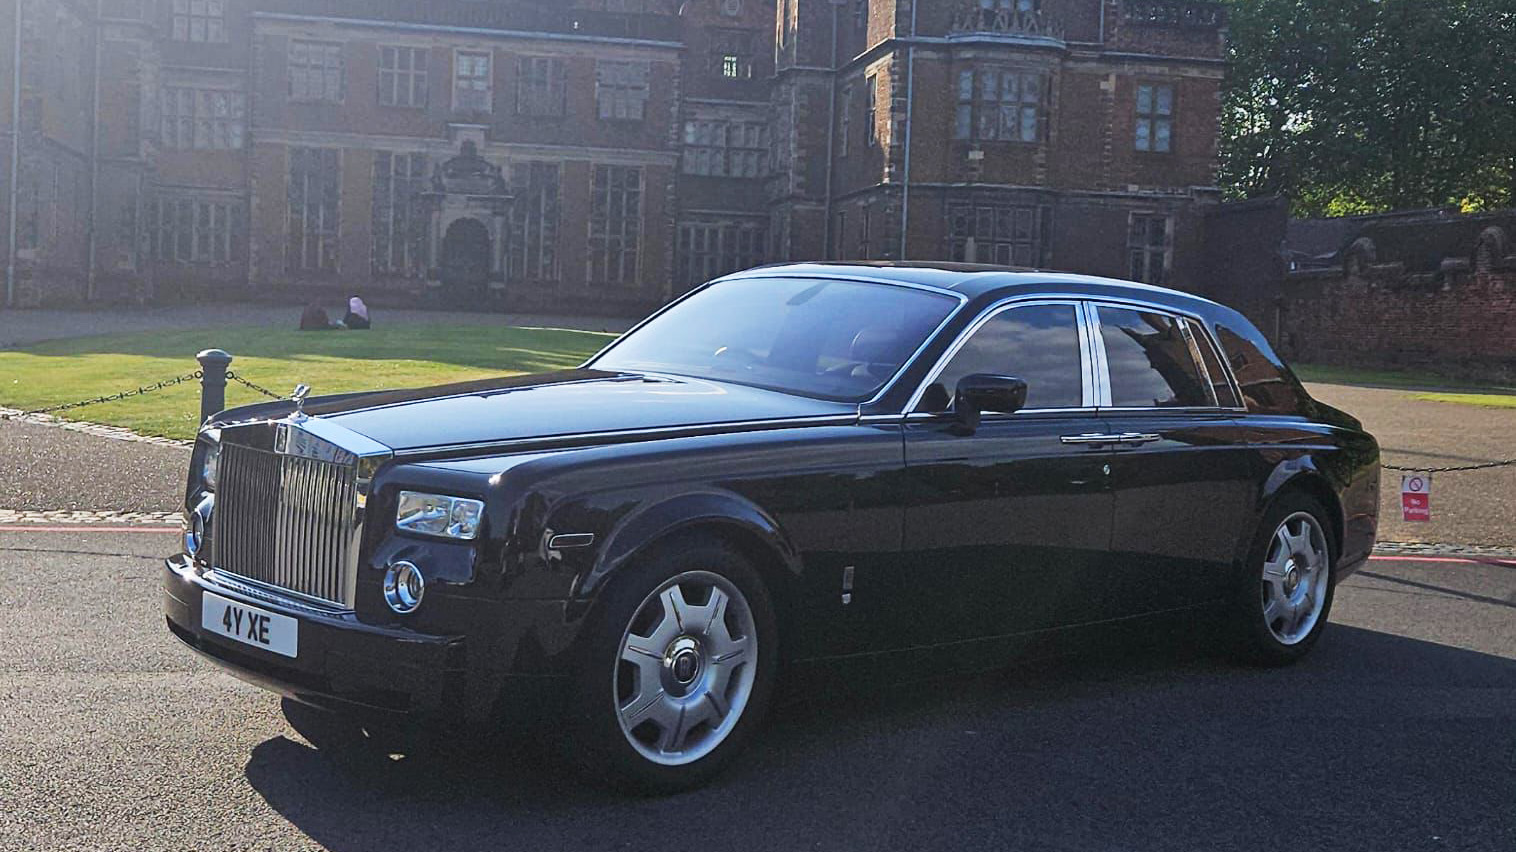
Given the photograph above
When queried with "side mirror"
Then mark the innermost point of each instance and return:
(983, 392)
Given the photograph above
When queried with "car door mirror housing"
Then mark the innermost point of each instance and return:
(983, 392)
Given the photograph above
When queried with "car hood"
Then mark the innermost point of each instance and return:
(556, 406)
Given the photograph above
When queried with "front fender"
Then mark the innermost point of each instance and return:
(638, 530)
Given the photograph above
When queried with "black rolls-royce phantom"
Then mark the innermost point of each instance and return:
(790, 465)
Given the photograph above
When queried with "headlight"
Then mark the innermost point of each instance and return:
(210, 463)
(438, 514)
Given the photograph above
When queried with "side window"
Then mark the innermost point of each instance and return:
(1037, 343)
(1265, 389)
(1150, 362)
(1226, 397)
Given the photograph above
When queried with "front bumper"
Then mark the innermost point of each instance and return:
(385, 675)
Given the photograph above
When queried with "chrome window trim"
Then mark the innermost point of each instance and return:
(1094, 304)
(1030, 300)
(1099, 367)
(1154, 409)
(1231, 379)
(884, 388)
(1199, 362)
(924, 416)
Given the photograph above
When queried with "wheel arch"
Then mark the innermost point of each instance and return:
(1309, 481)
(732, 519)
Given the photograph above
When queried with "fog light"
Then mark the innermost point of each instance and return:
(403, 587)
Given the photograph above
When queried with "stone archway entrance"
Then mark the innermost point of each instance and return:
(466, 260)
(468, 205)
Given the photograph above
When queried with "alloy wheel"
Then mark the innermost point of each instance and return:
(1296, 570)
(686, 667)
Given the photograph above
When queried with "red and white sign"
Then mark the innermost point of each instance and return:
(1416, 496)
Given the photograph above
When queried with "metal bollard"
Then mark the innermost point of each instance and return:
(213, 364)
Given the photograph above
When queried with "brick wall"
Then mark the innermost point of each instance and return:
(1373, 310)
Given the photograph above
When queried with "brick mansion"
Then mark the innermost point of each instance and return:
(592, 155)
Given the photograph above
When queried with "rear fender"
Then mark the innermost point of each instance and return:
(1305, 475)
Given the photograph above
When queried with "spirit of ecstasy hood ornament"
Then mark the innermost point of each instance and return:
(301, 392)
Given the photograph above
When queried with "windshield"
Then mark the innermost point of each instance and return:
(839, 340)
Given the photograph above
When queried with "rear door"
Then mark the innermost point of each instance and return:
(1180, 476)
(1006, 528)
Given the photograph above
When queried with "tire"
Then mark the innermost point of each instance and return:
(1285, 595)
(676, 670)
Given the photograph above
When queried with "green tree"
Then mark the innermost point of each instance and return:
(1353, 106)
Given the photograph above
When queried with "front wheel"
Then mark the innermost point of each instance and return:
(678, 669)
(1286, 594)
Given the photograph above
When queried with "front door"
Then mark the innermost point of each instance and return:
(466, 259)
(1007, 528)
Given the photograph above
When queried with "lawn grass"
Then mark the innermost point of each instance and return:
(1330, 375)
(63, 371)
(1488, 400)
(1425, 386)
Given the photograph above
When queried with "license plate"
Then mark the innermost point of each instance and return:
(250, 625)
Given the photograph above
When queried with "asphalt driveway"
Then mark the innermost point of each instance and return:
(47, 468)
(1396, 734)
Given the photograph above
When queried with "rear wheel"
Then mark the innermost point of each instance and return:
(678, 669)
(1286, 593)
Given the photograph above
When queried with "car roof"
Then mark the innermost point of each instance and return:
(973, 280)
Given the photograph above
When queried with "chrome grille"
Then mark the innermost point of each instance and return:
(287, 521)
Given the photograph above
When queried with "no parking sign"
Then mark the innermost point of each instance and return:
(1416, 496)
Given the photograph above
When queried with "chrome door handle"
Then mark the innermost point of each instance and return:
(1137, 439)
(1091, 438)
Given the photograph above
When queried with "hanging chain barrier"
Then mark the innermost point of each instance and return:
(197, 375)
(1450, 468)
(126, 394)
(259, 388)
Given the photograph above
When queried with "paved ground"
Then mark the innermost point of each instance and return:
(1477, 507)
(1398, 733)
(20, 327)
(45, 467)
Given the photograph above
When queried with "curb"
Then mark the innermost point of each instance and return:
(98, 430)
(1426, 548)
(64, 517)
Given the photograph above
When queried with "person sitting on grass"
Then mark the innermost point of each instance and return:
(315, 319)
(357, 314)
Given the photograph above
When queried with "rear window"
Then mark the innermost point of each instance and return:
(1266, 387)
(1150, 362)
